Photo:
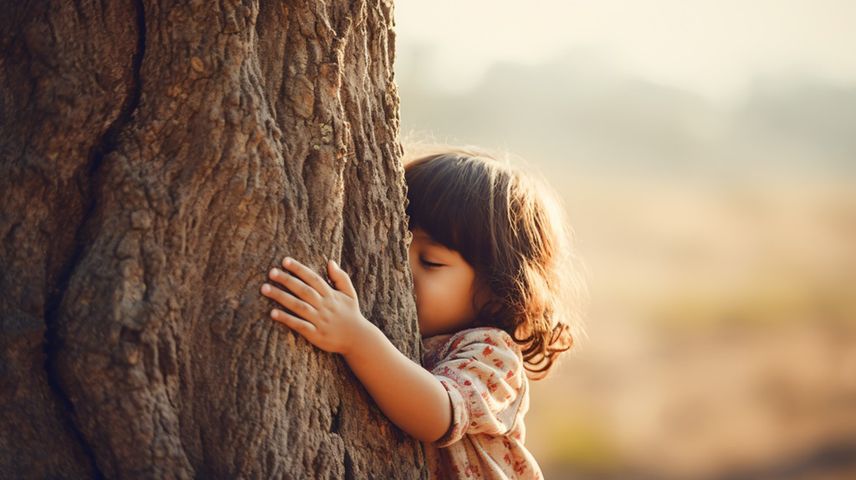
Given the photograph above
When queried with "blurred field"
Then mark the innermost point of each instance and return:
(722, 336)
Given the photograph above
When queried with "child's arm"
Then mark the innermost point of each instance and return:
(330, 318)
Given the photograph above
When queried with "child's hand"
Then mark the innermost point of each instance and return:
(329, 318)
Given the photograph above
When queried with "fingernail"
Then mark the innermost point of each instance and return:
(287, 261)
(266, 288)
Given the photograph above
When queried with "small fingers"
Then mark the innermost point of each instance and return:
(288, 300)
(306, 274)
(302, 290)
(300, 326)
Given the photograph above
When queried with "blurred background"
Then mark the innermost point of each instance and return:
(705, 152)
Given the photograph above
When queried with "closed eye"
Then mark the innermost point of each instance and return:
(430, 264)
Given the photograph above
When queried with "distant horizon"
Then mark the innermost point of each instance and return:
(601, 66)
(715, 49)
(571, 110)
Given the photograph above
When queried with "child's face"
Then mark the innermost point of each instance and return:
(444, 286)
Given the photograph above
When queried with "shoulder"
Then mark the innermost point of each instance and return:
(477, 343)
(486, 344)
(491, 336)
(469, 338)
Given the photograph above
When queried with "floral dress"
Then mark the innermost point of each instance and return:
(482, 370)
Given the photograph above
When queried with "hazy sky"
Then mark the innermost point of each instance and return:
(713, 47)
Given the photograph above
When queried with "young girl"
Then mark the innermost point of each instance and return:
(494, 281)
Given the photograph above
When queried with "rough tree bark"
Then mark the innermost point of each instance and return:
(157, 159)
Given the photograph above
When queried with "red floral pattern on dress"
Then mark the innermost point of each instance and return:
(482, 371)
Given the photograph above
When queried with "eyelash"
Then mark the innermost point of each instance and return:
(430, 264)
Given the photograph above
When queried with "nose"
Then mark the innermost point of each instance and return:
(414, 267)
(416, 279)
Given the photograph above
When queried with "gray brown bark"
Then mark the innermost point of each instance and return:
(157, 160)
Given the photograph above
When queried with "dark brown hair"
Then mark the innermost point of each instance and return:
(509, 226)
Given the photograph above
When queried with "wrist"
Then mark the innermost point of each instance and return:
(363, 341)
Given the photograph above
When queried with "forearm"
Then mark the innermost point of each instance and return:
(408, 394)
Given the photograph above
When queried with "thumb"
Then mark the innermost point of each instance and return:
(340, 279)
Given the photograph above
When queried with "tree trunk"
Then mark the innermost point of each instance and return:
(157, 160)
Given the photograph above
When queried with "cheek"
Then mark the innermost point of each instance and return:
(424, 287)
(430, 296)
(439, 294)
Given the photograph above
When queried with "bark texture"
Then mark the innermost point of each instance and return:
(157, 159)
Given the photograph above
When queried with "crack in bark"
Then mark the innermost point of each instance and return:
(349, 466)
(54, 297)
(336, 422)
